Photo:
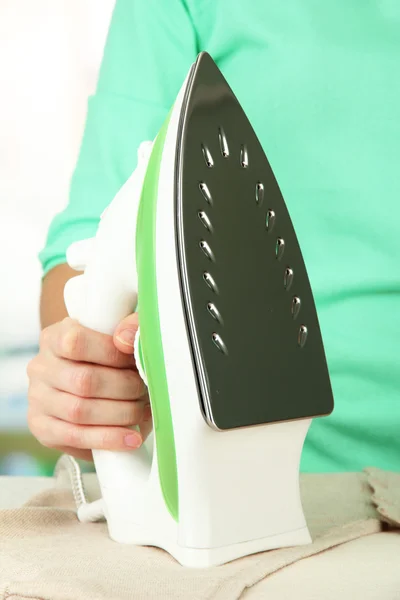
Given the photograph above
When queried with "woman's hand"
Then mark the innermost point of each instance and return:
(85, 391)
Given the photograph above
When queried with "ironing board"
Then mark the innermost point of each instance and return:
(15, 491)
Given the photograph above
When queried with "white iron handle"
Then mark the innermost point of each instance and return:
(100, 299)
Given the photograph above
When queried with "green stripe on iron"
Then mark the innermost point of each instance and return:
(151, 349)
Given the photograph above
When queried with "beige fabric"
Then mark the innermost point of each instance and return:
(386, 494)
(365, 569)
(46, 554)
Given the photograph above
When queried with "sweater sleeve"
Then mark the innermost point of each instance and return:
(150, 47)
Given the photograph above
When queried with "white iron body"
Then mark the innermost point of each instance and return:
(238, 489)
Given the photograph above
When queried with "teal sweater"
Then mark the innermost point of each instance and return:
(320, 82)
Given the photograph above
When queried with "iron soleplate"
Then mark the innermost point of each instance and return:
(256, 343)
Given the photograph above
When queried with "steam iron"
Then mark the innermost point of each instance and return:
(229, 342)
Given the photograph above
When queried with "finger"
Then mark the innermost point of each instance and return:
(146, 427)
(146, 423)
(93, 381)
(76, 453)
(55, 433)
(125, 333)
(90, 411)
(72, 341)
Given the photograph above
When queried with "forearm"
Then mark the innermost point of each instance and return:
(52, 306)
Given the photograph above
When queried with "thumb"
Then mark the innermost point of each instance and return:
(124, 335)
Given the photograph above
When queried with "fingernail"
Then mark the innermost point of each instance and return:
(133, 440)
(127, 337)
(147, 413)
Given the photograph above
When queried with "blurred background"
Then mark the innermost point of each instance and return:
(50, 53)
